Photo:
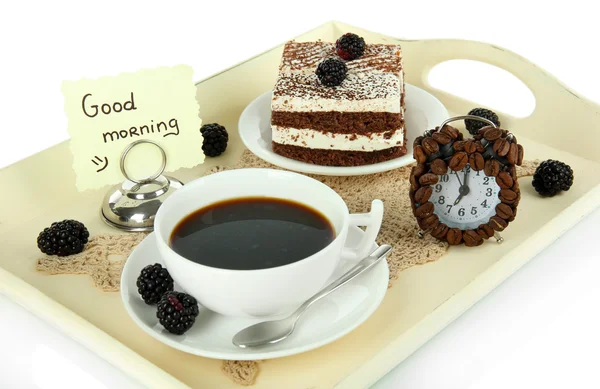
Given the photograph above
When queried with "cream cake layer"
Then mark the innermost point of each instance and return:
(359, 92)
(314, 139)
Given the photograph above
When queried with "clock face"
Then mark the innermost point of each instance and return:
(465, 199)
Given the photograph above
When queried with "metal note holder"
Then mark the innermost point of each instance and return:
(132, 205)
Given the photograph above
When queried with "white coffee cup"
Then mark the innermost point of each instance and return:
(271, 291)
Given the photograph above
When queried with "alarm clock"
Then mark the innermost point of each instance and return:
(465, 191)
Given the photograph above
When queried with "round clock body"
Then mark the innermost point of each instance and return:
(470, 210)
(465, 191)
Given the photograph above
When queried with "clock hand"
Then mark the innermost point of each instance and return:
(462, 194)
(458, 178)
(463, 190)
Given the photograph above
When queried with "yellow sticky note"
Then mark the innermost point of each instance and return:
(107, 114)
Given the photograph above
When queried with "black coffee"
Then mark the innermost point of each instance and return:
(251, 233)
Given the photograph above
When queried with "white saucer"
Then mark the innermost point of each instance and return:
(327, 320)
(423, 112)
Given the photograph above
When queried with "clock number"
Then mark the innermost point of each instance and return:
(486, 180)
(441, 200)
(461, 212)
(445, 178)
(438, 188)
(449, 208)
(484, 204)
(473, 210)
(478, 173)
(488, 192)
(467, 169)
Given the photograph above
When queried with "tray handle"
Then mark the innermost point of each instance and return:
(556, 106)
(542, 84)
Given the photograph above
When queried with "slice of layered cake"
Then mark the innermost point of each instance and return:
(356, 119)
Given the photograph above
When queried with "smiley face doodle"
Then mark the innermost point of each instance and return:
(100, 162)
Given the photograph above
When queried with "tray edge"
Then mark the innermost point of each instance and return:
(444, 314)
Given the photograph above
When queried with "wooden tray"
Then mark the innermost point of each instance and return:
(420, 304)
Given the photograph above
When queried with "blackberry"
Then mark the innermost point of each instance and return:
(177, 312)
(63, 238)
(215, 139)
(350, 46)
(552, 177)
(332, 72)
(473, 126)
(153, 282)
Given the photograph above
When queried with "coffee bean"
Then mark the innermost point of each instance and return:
(514, 215)
(507, 196)
(430, 222)
(438, 166)
(482, 233)
(423, 194)
(450, 131)
(470, 147)
(521, 155)
(479, 146)
(458, 161)
(513, 154)
(501, 147)
(442, 138)
(497, 223)
(478, 137)
(419, 154)
(511, 138)
(476, 161)
(513, 172)
(430, 146)
(424, 210)
(517, 200)
(440, 231)
(504, 211)
(492, 134)
(504, 180)
(504, 132)
(418, 170)
(454, 236)
(459, 145)
(491, 168)
(414, 182)
(486, 230)
(472, 238)
(515, 187)
(485, 129)
(428, 179)
(418, 140)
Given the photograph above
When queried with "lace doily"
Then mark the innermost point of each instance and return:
(102, 259)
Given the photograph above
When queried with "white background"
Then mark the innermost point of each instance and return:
(538, 329)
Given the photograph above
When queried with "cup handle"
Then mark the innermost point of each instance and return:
(372, 222)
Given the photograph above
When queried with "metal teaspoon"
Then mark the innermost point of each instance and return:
(269, 332)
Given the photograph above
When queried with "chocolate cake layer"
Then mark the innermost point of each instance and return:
(360, 123)
(338, 157)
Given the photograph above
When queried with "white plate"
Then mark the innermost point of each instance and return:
(423, 112)
(327, 320)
